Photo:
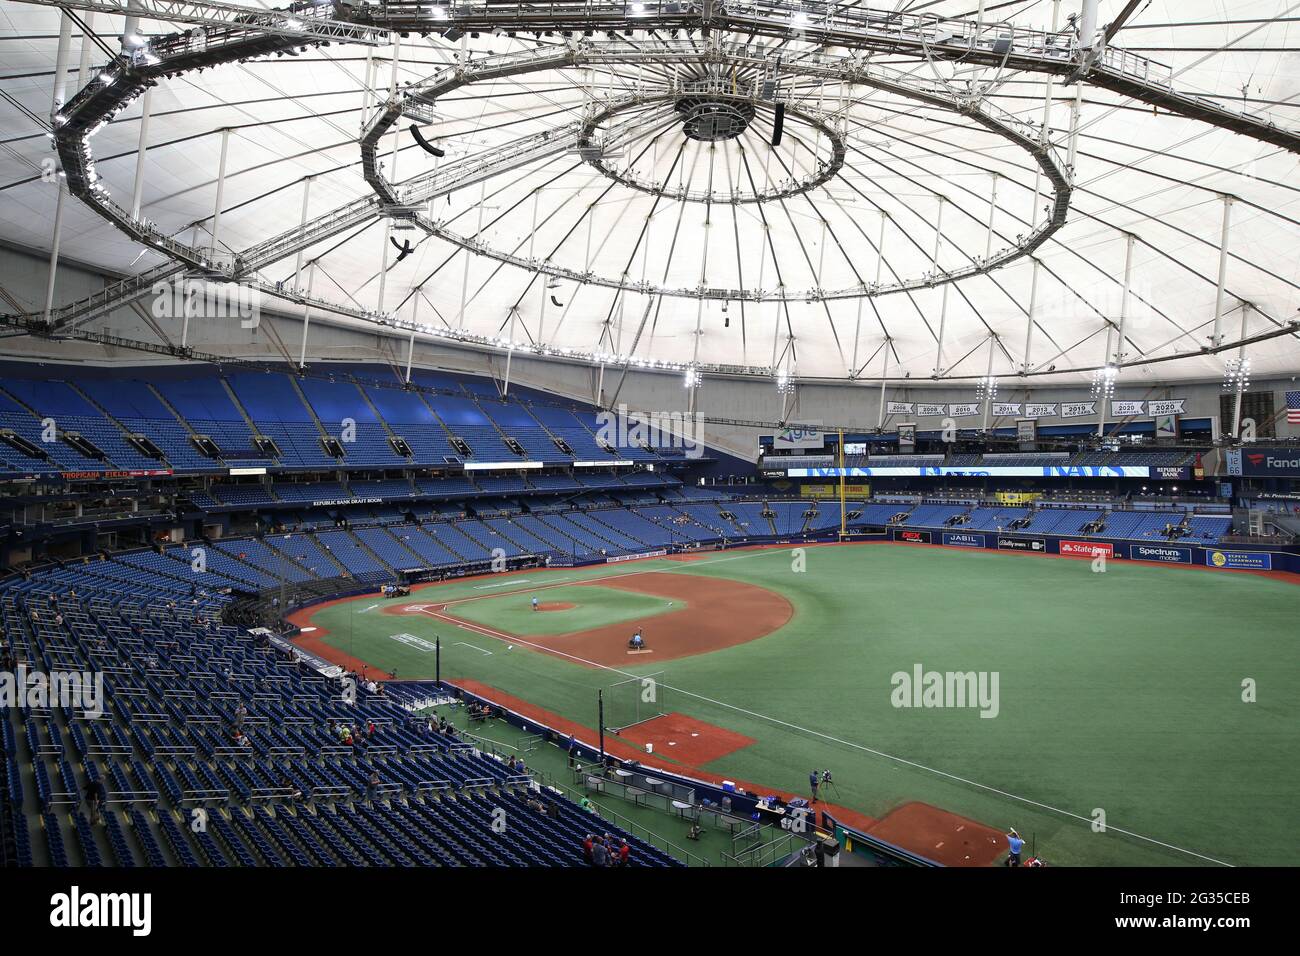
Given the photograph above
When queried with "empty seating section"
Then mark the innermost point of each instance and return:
(319, 492)
(788, 516)
(242, 495)
(274, 563)
(178, 685)
(516, 422)
(1059, 520)
(388, 549)
(747, 519)
(139, 411)
(564, 425)
(993, 519)
(429, 547)
(1207, 529)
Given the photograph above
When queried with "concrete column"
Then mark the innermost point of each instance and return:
(1217, 337)
(61, 56)
(306, 314)
(54, 251)
(221, 189)
(137, 193)
(302, 228)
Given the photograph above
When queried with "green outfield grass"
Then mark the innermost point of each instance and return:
(594, 606)
(1119, 692)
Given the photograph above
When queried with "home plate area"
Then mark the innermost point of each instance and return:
(686, 739)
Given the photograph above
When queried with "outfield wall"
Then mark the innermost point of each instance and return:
(1233, 558)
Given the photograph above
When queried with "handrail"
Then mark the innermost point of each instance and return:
(629, 825)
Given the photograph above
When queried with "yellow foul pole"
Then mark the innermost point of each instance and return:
(843, 529)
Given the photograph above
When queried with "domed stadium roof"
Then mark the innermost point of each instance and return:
(925, 210)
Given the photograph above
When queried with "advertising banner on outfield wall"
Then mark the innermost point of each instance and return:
(1086, 549)
(1240, 560)
(963, 539)
(915, 536)
(1160, 552)
(1036, 545)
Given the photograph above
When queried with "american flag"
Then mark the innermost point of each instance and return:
(1293, 407)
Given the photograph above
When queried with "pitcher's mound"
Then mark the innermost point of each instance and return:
(555, 606)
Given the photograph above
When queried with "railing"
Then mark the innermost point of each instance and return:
(636, 829)
(766, 854)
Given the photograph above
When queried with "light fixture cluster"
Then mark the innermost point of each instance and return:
(1236, 374)
(784, 383)
(692, 378)
(986, 389)
(1103, 382)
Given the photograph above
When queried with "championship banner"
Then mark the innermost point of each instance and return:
(1026, 433)
(1040, 409)
(926, 409)
(1173, 406)
(1006, 409)
(1126, 409)
(900, 408)
(1078, 409)
(965, 410)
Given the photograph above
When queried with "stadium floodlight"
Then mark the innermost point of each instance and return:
(1103, 382)
(986, 389)
(784, 383)
(692, 377)
(1236, 374)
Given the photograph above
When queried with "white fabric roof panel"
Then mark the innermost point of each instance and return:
(1159, 177)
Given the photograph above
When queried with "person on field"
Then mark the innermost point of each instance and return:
(536, 606)
(814, 780)
(1015, 844)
